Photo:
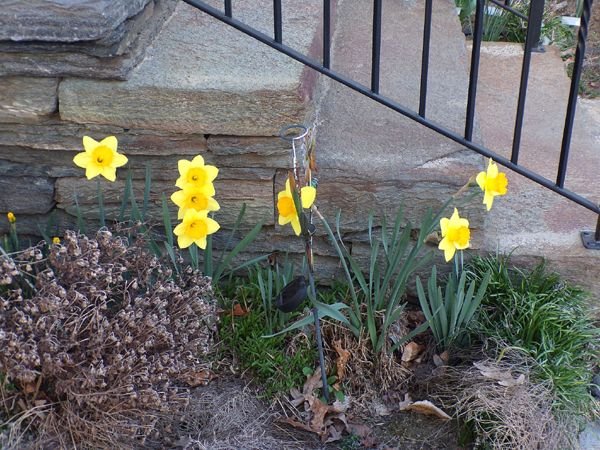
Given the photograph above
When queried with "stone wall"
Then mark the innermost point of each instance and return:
(171, 82)
(155, 76)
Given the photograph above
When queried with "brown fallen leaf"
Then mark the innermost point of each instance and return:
(197, 378)
(342, 359)
(502, 376)
(365, 434)
(313, 383)
(319, 409)
(422, 407)
(411, 351)
(296, 424)
(239, 311)
(512, 381)
(428, 408)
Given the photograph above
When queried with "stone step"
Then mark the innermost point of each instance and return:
(202, 76)
(531, 221)
(372, 158)
(102, 39)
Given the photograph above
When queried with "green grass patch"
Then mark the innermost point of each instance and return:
(546, 318)
(276, 363)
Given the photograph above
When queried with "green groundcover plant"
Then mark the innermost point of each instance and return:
(548, 319)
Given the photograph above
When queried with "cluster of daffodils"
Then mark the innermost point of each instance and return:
(456, 234)
(195, 200)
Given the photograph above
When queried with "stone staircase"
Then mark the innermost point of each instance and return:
(203, 87)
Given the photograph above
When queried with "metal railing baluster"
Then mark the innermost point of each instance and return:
(376, 54)
(574, 90)
(228, 11)
(474, 72)
(425, 56)
(277, 22)
(326, 33)
(532, 39)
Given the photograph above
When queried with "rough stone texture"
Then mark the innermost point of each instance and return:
(114, 43)
(531, 221)
(112, 57)
(372, 158)
(24, 99)
(589, 439)
(189, 83)
(34, 196)
(63, 20)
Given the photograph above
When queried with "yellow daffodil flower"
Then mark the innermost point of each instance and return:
(195, 197)
(455, 234)
(194, 229)
(492, 183)
(287, 209)
(100, 158)
(56, 240)
(195, 172)
(11, 217)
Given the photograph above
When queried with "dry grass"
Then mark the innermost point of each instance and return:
(228, 417)
(367, 374)
(515, 417)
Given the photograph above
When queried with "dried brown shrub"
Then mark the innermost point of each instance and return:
(94, 338)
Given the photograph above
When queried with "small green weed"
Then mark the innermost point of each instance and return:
(280, 360)
(545, 317)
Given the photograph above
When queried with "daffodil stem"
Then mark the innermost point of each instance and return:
(315, 312)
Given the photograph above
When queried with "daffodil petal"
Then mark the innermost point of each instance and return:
(110, 173)
(211, 172)
(178, 197)
(492, 170)
(481, 176)
(181, 213)
(462, 222)
(201, 243)
(488, 200)
(444, 221)
(284, 220)
(308, 195)
(296, 226)
(454, 216)
(184, 241)
(82, 159)
(211, 226)
(110, 142)
(92, 171)
(213, 205)
(119, 160)
(198, 160)
(449, 254)
(183, 166)
(89, 144)
(179, 229)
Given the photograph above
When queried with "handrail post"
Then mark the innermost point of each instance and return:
(536, 18)
(591, 239)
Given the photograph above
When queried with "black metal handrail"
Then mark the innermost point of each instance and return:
(534, 19)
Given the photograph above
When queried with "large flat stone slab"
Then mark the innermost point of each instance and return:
(201, 76)
(110, 57)
(531, 221)
(63, 20)
(35, 196)
(24, 99)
